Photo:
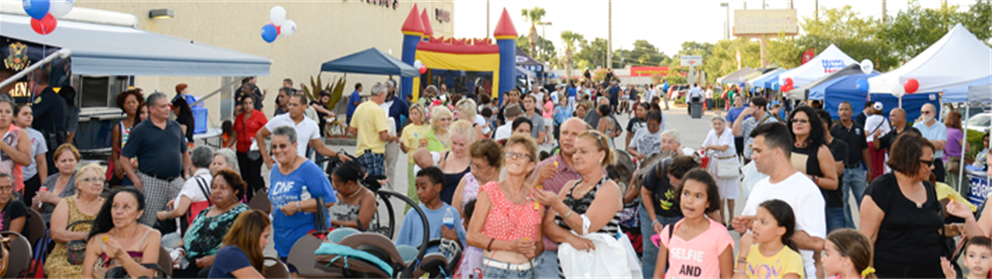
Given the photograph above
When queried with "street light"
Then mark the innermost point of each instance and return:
(726, 25)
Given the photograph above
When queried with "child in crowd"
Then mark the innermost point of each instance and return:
(227, 132)
(430, 180)
(774, 254)
(414, 136)
(471, 261)
(487, 113)
(847, 255)
(36, 173)
(699, 246)
(977, 259)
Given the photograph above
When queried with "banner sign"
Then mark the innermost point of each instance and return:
(647, 71)
(980, 188)
(692, 60)
(757, 22)
(832, 65)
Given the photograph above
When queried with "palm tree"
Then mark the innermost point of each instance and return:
(570, 39)
(533, 16)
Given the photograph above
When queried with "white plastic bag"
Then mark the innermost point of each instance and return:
(612, 258)
(751, 177)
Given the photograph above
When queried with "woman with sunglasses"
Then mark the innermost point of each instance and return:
(902, 216)
(292, 179)
(811, 154)
(506, 224)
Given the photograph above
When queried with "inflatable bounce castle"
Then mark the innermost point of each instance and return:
(480, 56)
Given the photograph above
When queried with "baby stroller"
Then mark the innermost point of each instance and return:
(368, 254)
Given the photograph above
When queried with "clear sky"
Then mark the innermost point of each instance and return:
(664, 23)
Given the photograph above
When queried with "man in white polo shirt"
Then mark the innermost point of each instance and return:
(772, 149)
(307, 132)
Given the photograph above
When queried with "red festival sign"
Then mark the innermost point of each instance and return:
(647, 71)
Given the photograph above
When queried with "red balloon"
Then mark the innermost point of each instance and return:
(45, 25)
(788, 81)
(278, 29)
(911, 86)
(423, 69)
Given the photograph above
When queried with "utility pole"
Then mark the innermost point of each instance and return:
(790, 5)
(726, 25)
(762, 4)
(816, 9)
(609, 40)
(883, 12)
(543, 25)
(487, 19)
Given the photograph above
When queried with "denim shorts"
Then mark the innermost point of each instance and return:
(491, 269)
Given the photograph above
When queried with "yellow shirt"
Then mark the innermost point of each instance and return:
(412, 134)
(369, 119)
(785, 262)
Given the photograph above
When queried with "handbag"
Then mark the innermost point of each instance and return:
(726, 167)
(4, 256)
(120, 273)
(77, 252)
(953, 165)
(197, 207)
(253, 153)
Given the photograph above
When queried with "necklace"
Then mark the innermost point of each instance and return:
(582, 193)
(352, 195)
(801, 144)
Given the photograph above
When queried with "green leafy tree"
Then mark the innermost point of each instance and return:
(592, 54)
(722, 57)
(533, 16)
(915, 29)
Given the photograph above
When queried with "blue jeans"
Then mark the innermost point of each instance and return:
(494, 272)
(650, 255)
(854, 183)
(547, 265)
(836, 219)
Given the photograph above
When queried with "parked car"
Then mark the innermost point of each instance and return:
(979, 122)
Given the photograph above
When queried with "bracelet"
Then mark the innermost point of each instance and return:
(568, 214)
(654, 222)
(742, 260)
(490, 246)
(297, 206)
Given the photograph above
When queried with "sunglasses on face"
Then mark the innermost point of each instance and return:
(929, 163)
(280, 146)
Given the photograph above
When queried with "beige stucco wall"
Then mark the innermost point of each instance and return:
(326, 30)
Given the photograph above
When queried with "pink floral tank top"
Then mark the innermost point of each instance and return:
(508, 221)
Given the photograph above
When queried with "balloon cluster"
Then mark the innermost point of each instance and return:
(420, 66)
(44, 13)
(278, 25)
(788, 86)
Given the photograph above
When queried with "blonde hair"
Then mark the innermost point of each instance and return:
(463, 127)
(423, 112)
(467, 107)
(601, 142)
(438, 112)
(100, 170)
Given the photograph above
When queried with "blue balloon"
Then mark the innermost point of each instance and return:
(775, 86)
(37, 9)
(742, 84)
(862, 85)
(269, 33)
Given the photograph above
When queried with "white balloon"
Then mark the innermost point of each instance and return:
(898, 90)
(417, 64)
(277, 15)
(867, 66)
(288, 27)
(60, 8)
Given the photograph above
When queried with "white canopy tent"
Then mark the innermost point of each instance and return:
(957, 58)
(827, 62)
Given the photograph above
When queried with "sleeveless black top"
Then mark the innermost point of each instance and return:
(581, 205)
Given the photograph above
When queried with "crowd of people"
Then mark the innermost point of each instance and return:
(521, 212)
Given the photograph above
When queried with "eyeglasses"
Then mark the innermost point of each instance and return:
(514, 155)
(929, 163)
(280, 146)
(93, 179)
(925, 112)
(803, 121)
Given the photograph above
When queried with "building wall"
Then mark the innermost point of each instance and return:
(326, 30)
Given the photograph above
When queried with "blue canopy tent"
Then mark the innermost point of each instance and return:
(959, 94)
(844, 89)
(764, 81)
(370, 61)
